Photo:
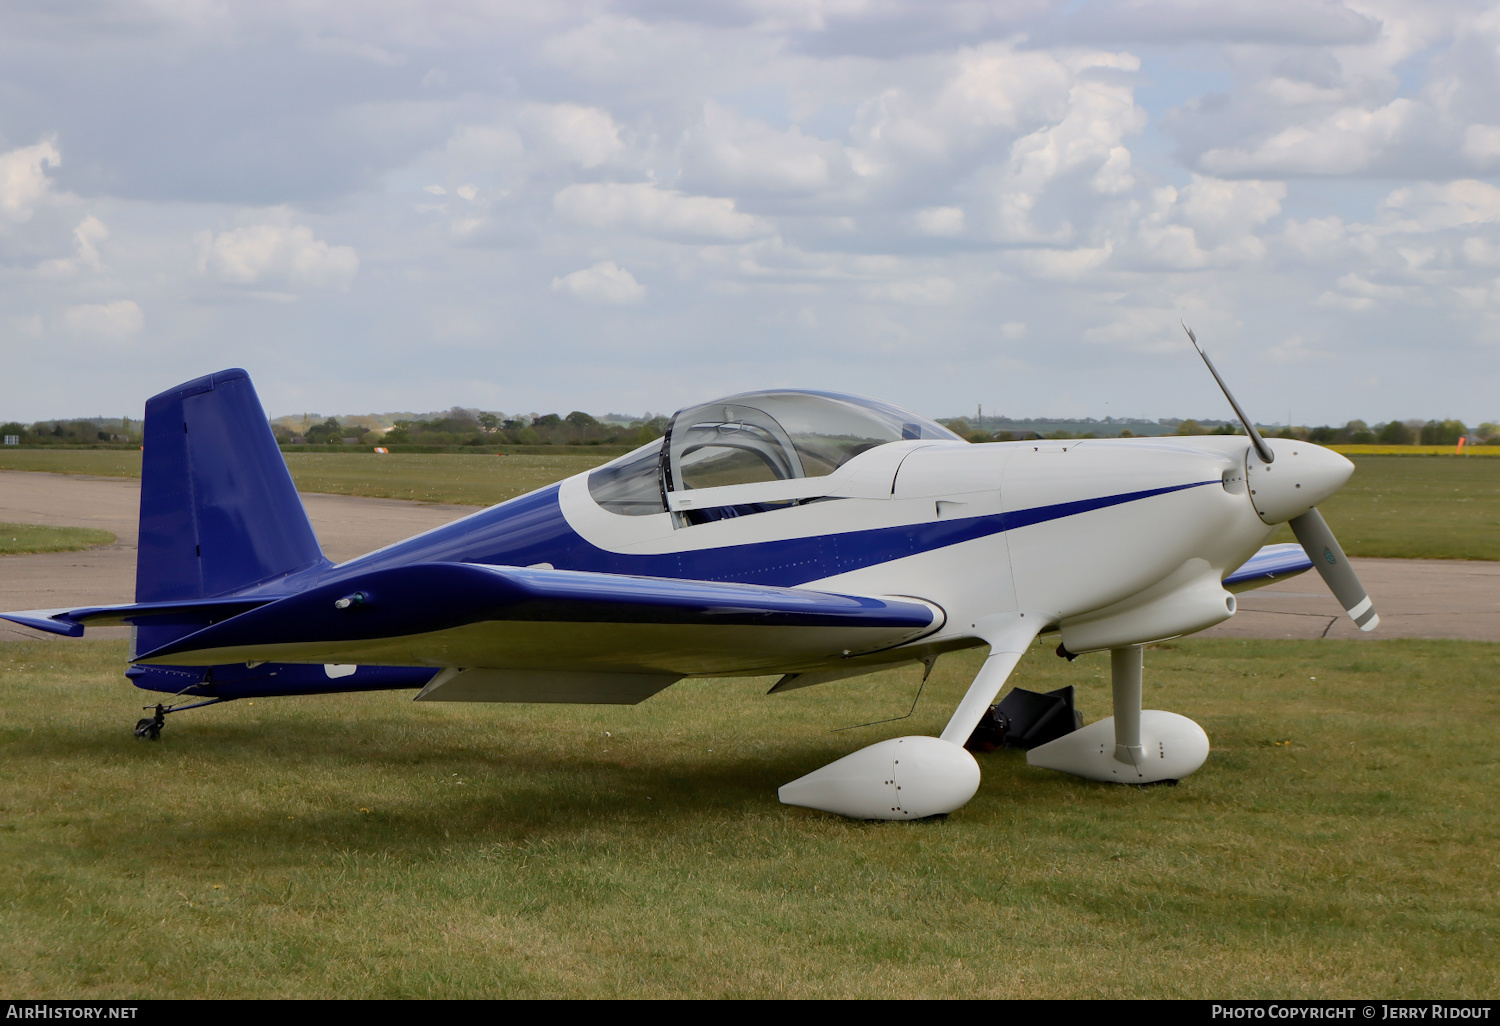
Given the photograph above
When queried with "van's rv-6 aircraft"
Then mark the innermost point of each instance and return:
(810, 534)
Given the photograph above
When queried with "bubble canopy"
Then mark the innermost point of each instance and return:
(780, 435)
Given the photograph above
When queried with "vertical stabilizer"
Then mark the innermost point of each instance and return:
(219, 512)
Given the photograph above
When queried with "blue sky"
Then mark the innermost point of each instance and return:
(639, 206)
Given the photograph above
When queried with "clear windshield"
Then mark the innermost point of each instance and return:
(774, 436)
(631, 485)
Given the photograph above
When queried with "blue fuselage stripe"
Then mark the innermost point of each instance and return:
(532, 529)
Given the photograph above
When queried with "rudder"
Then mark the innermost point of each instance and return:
(219, 512)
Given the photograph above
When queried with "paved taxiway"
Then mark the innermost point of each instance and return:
(1416, 598)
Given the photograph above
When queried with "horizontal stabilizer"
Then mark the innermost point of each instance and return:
(462, 614)
(192, 612)
(53, 621)
(1271, 563)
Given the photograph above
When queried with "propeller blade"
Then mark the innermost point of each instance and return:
(1324, 551)
(1261, 448)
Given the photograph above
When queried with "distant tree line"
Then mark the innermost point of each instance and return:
(91, 431)
(460, 426)
(1356, 432)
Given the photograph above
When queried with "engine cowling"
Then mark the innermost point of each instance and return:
(1302, 476)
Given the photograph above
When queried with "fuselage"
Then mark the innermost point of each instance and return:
(1061, 529)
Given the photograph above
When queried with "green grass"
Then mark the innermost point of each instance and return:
(1414, 507)
(477, 480)
(1402, 506)
(363, 846)
(94, 462)
(465, 480)
(18, 538)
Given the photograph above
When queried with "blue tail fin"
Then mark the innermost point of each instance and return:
(219, 512)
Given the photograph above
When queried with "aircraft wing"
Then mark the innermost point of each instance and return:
(477, 616)
(1271, 563)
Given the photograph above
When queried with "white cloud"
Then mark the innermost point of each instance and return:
(730, 152)
(115, 321)
(484, 148)
(1139, 328)
(1063, 264)
(1221, 210)
(1210, 222)
(278, 254)
(23, 179)
(587, 136)
(992, 88)
(1480, 252)
(1347, 141)
(1428, 206)
(605, 282)
(933, 290)
(89, 233)
(1298, 22)
(940, 221)
(1317, 238)
(1292, 349)
(645, 208)
(1087, 137)
(1482, 143)
(1357, 294)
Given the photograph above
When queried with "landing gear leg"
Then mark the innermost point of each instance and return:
(148, 728)
(1135, 745)
(916, 776)
(1125, 666)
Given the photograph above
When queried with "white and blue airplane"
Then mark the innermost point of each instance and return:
(814, 535)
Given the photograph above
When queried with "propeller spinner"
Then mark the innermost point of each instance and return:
(1290, 496)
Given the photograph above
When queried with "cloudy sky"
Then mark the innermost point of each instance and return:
(629, 206)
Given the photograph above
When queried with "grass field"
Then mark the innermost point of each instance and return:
(1425, 508)
(19, 538)
(1340, 841)
(462, 479)
(1396, 506)
(1416, 450)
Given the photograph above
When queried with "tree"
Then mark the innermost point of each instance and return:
(327, 433)
(1189, 427)
(1443, 432)
(1395, 433)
